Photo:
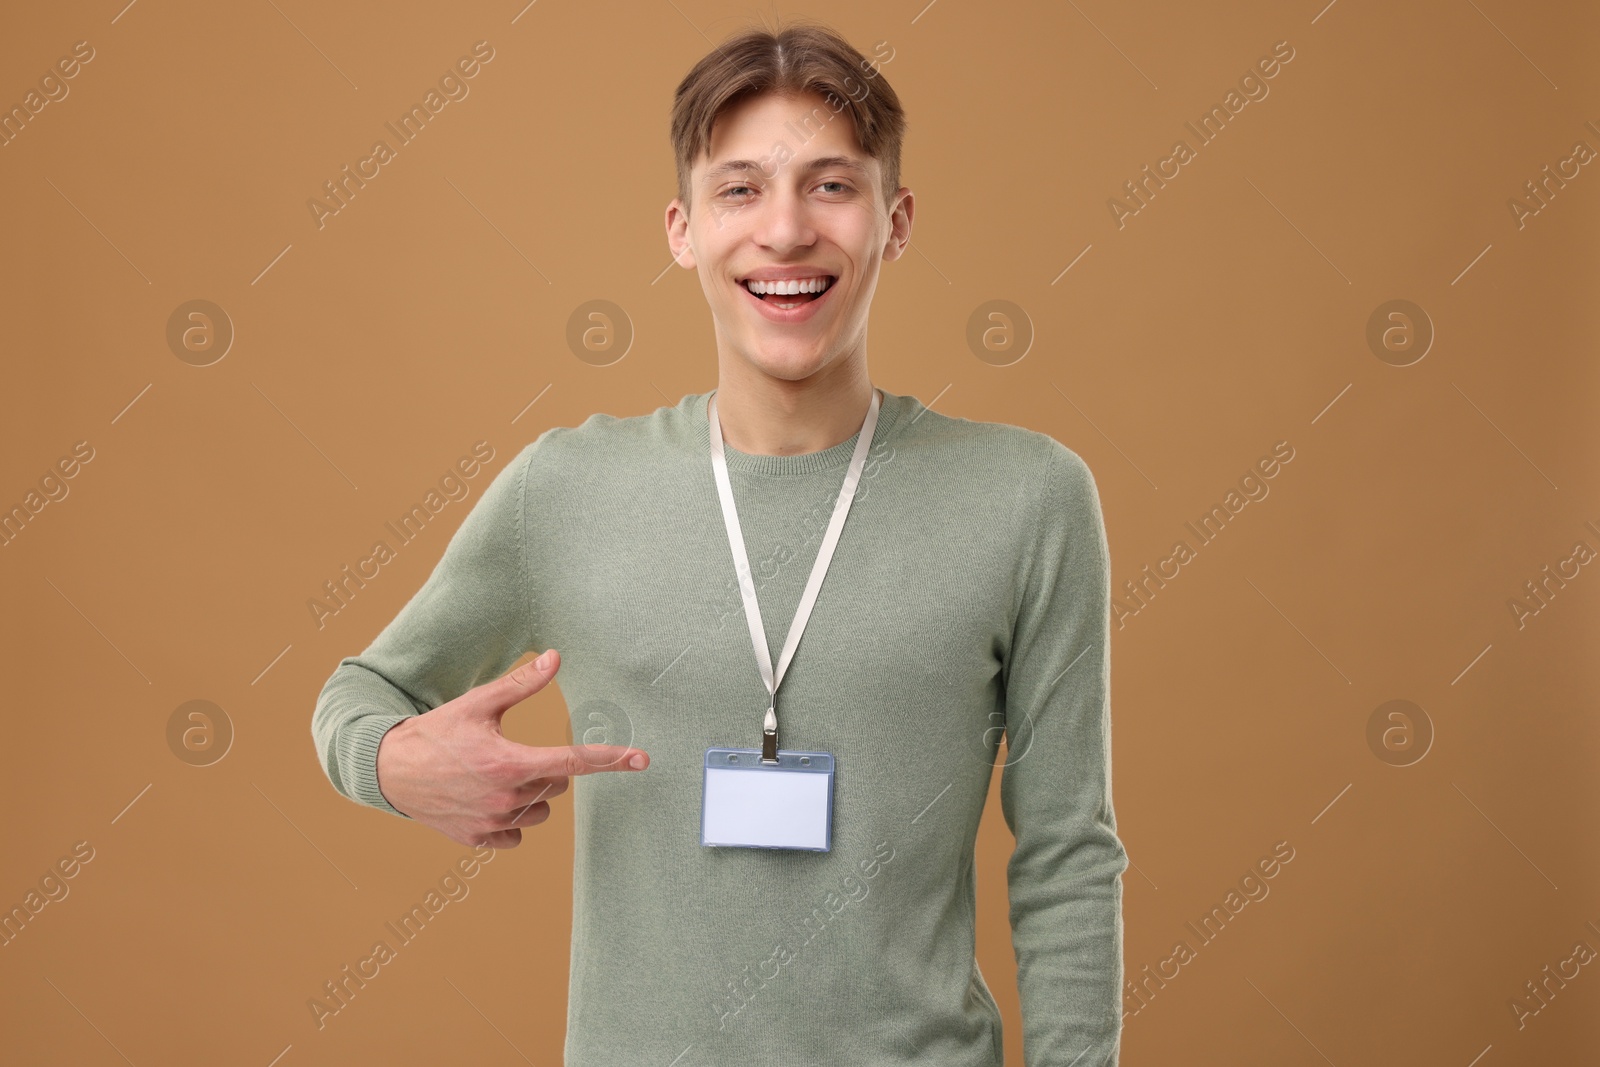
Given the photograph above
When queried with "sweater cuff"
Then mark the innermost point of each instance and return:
(365, 735)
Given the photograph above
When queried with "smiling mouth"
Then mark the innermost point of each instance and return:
(789, 301)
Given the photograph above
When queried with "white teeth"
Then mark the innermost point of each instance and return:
(788, 288)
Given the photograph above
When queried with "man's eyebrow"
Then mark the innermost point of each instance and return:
(736, 166)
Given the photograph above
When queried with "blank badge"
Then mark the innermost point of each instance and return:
(750, 804)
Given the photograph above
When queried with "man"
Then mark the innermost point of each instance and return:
(966, 597)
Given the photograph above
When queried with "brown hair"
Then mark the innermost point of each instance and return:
(800, 58)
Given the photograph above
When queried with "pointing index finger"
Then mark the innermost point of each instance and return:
(587, 759)
(563, 760)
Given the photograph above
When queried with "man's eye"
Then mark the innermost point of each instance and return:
(731, 192)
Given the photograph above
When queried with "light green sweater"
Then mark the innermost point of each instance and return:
(968, 600)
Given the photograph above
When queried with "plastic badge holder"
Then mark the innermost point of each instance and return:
(749, 804)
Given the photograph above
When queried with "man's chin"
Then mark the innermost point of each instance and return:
(790, 363)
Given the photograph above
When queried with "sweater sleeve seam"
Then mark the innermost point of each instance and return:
(524, 571)
(1038, 539)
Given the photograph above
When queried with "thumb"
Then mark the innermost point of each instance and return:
(492, 699)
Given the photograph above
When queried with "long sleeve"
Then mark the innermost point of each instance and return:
(1065, 875)
(468, 624)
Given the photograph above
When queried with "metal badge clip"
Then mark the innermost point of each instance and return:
(769, 737)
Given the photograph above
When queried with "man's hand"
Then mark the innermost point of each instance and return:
(452, 769)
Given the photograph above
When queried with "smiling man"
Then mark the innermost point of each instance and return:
(791, 879)
(792, 227)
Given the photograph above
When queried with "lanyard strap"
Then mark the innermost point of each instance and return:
(741, 563)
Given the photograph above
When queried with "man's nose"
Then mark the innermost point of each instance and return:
(786, 222)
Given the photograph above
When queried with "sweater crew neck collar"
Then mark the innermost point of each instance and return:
(889, 410)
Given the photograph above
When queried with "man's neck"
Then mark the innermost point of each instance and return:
(766, 416)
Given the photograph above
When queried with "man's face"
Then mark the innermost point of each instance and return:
(789, 211)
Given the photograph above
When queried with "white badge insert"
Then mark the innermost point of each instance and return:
(771, 798)
(752, 805)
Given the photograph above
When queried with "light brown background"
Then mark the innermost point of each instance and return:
(1226, 316)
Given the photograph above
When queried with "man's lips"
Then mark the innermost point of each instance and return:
(770, 310)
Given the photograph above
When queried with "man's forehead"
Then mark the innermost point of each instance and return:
(802, 130)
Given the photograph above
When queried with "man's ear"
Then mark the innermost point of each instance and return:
(900, 225)
(678, 234)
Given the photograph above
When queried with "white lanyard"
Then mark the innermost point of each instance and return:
(741, 561)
